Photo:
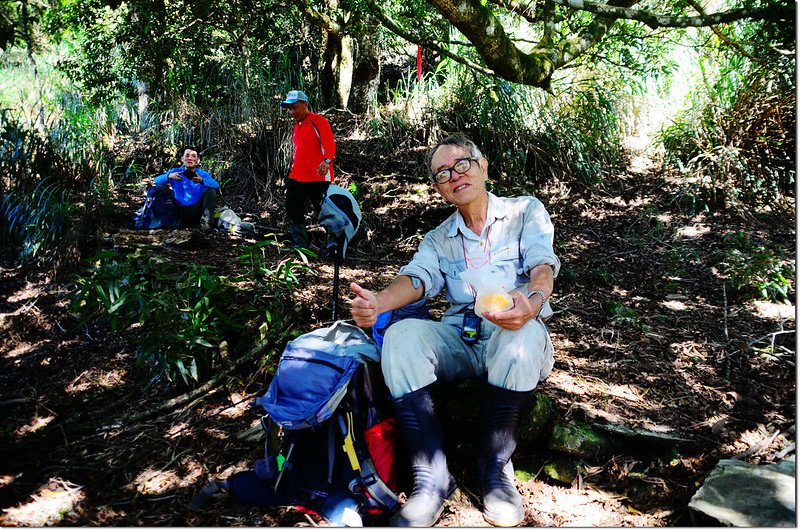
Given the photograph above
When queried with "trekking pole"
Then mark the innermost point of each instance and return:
(280, 475)
(337, 261)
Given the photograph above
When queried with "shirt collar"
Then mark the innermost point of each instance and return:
(495, 210)
(304, 120)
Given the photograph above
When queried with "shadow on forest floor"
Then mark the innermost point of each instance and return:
(643, 331)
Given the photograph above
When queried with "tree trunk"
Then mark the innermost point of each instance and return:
(328, 76)
(142, 87)
(367, 71)
(344, 72)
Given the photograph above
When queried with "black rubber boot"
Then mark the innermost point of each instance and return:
(502, 413)
(423, 437)
(299, 235)
(209, 201)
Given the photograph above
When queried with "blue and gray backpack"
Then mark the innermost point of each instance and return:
(325, 396)
(159, 210)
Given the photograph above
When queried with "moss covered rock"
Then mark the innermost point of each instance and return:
(578, 439)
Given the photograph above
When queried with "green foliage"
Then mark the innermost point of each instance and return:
(621, 314)
(200, 52)
(182, 318)
(600, 275)
(355, 190)
(567, 278)
(36, 220)
(45, 177)
(528, 137)
(681, 254)
(185, 326)
(580, 137)
(735, 142)
(652, 223)
(111, 293)
(755, 271)
(278, 274)
(9, 19)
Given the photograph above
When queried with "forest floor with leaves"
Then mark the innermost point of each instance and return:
(646, 335)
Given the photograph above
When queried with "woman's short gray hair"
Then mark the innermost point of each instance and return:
(459, 140)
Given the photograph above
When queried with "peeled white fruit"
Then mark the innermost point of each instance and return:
(494, 301)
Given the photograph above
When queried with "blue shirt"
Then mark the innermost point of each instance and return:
(517, 236)
(186, 191)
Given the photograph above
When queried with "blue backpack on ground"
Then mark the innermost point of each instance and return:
(325, 399)
(159, 210)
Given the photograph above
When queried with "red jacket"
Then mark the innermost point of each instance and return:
(313, 141)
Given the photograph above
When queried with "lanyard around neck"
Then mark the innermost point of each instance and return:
(487, 258)
(487, 253)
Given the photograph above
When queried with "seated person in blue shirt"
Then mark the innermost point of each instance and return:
(195, 191)
(508, 348)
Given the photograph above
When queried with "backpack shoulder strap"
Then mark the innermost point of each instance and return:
(316, 130)
(367, 473)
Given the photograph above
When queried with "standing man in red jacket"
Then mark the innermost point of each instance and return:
(312, 169)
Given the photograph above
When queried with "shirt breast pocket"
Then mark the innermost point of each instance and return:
(507, 253)
(456, 287)
(508, 261)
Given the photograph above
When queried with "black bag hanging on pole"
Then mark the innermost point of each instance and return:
(340, 215)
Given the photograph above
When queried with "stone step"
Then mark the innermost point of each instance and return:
(737, 493)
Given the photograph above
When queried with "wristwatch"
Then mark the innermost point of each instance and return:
(544, 299)
(327, 161)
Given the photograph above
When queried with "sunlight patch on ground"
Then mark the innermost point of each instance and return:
(593, 386)
(641, 164)
(692, 231)
(22, 349)
(759, 436)
(95, 379)
(242, 406)
(773, 310)
(26, 293)
(675, 305)
(595, 215)
(688, 350)
(358, 134)
(217, 434)
(152, 482)
(616, 201)
(34, 425)
(46, 507)
(155, 482)
(619, 292)
(179, 429)
(588, 507)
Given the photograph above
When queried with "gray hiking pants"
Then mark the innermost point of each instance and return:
(417, 353)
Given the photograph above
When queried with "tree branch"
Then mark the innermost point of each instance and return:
(477, 22)
(526, 10)
(773, 12)
(697, 7)
(395, 28)
(204, 389)
(319, 18)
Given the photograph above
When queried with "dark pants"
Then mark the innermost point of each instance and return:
(298, 194)
(203, 209)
